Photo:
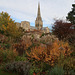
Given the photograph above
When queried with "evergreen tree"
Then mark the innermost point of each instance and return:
(71, 15)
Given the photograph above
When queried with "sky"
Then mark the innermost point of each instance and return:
(26, 10)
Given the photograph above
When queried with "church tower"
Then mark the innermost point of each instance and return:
(38, 21)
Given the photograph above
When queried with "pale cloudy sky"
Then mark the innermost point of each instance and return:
(26, 10)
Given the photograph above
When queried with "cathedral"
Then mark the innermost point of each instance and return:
(38, 23)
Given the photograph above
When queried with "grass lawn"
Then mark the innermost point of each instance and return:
(6, 73)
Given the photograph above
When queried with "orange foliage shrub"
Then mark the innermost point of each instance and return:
(22, 46)
(49, 53)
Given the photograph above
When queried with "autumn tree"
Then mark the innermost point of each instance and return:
(71, 15)
(61, 29)
(8, 26)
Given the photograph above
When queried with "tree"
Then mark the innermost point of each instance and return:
(4, 20)
(71, 40)
(61, 29)
(8, 26)
(71, 15)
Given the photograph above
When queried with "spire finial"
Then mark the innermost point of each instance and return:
(38, 8)
(38, 3)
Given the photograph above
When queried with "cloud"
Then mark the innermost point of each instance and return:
(21, 10)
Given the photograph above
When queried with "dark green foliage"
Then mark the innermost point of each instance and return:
(67, 64)
(72, 72)
(57, 71)
(39, 67)
(42, 35)
(71, 41)
(6, 73)
(68, 70)
(71, 15)
(20, 58)
(32, 36)
(7, 56)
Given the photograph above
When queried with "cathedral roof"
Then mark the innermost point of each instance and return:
(32, 27)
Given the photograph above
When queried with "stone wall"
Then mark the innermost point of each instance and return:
(25, 25)
(18, 24)
(45, 30)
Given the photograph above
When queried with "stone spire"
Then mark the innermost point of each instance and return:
(39, 10)
(38, 14)
(38, 21)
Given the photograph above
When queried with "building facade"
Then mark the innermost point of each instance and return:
(38, 24)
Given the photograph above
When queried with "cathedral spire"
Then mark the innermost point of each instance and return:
(38, 21)
(39, 10)
(38, 13)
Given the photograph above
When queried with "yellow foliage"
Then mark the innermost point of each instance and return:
(3, 27)
(8, 26)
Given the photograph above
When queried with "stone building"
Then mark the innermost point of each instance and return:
(25, 25)
(18, 24)
(38, 24)
(45, 29)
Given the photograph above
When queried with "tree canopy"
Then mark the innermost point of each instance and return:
(61, 29)
(71, 15)
(8, 26)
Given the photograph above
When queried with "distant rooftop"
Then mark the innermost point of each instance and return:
(32, 27)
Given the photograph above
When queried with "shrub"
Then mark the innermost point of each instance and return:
(57, 71)
(22, 46)
(71, 40)
(4, 42)
(7, 55)
(42, 35)
(6, 73)
(20, 67)
(68, 64)
(68, 69)
(39, 68)
(20, 58)
(72, 72)
(49, 53)
(46, 56)
(48, 38)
